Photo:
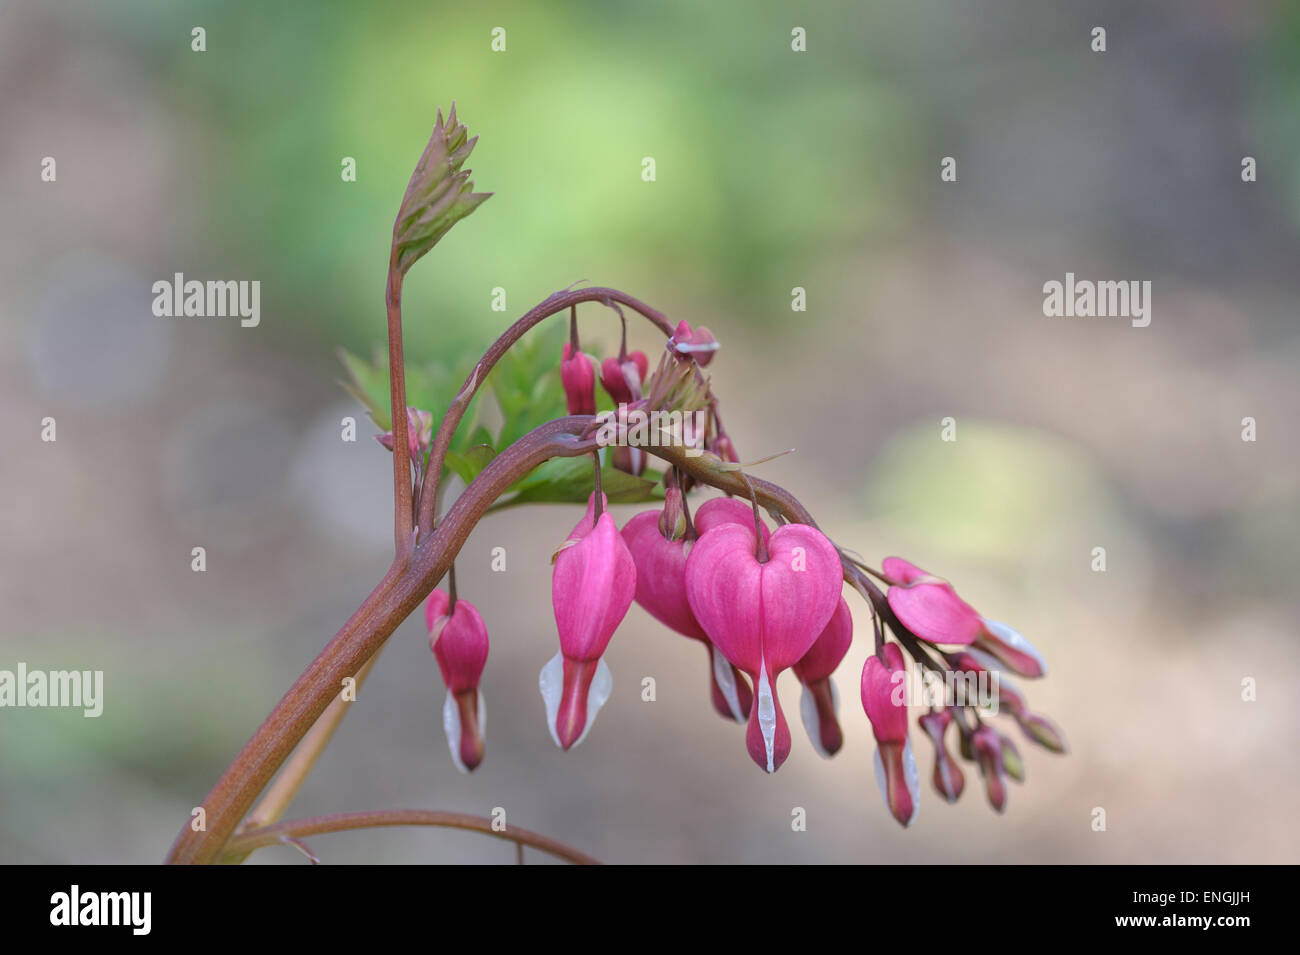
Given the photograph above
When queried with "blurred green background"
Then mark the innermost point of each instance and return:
(775, 169)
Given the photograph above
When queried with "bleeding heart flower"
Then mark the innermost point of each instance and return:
(578, 375)
(928, 606)
(764, 607)
(931, 609)
(884, 699)
(623, 378)
(698, 345)
(459, 641)
(592, 587)
(661, 591)
(820, 703)
(949, 780)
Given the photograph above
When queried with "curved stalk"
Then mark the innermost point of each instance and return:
(246, 842)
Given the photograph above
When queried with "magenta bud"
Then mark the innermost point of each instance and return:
(459, 641)
(628, 459)
(949, 781)
(592, 586)
(698, 345)
(578, 375)
(928, 606)
(986, 746)
(885, 703)
(819, 704)
(623, 379)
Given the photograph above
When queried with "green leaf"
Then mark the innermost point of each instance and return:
(569, 480)
(369, 385)
(439, 194)
(467, 464)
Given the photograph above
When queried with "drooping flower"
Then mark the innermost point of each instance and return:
(884, 699)
(949, 781)
(459, 641)
(986, 748)
(698, 345)
(764, 606)
(592, 586)
(820, 702)
(578, 375)
(659, 545)
(623, 377)
(930, 608)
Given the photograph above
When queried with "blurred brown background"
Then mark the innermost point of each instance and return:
(775, 169)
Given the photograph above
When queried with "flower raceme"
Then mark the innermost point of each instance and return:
(459, 640)
(592, 586)
(764, 604)
(760, 600)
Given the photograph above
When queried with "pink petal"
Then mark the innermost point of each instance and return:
(726, 510)
(661, 575)
(884, 695)
(592, 587)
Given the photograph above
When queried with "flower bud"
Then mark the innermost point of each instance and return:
(883, 699)
(986, 746)
(949, 781)
(459, 641)
(698, 345)
(578, 375)
(819, 705)
(928, 606)
(592, 586)
(623, 379)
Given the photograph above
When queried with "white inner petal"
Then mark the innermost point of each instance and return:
(767, 715)
(1013, 638)
(602, 684)
(879, 765)
(726, 679)
(451, 726)
(811, 722)
(551, 682)
(913, 778)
